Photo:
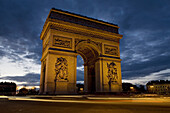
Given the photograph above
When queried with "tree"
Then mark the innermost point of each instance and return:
(23, 91)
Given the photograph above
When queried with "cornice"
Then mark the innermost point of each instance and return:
(83, 17)
(56, 14)
(89, 29)
(80, 30)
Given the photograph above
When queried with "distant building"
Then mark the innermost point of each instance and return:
(7, 88)
(158, 87)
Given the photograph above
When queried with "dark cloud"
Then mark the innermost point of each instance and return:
(80, 61)
(144, 25)
(145, 44)
(2, 53)
(30, 79)
(80, 75)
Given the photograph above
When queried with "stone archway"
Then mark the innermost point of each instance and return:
(90, 54)
(66, 35)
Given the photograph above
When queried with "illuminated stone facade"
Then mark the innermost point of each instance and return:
(158, 87)
(66, 35)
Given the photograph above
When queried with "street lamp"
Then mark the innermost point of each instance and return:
(151, 88)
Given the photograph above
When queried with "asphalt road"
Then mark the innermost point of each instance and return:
(18, 106)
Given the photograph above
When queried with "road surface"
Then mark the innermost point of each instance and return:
(84, 106)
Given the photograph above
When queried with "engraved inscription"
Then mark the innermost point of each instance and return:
(111, 50)
(62, 42)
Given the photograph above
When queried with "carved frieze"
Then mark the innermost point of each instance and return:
(112, 73)
(61, 69)
(111, 50)
(59, 41)
(76, 31)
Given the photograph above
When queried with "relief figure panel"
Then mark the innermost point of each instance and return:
(112, 73)
(59, 41)
(111, 50)
(61, 69)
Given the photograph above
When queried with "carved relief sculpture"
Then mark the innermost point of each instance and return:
(112, 72)
(111, 50)
(61, 69)
(62, 42)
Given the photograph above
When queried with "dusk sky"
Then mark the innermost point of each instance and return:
(144, 48)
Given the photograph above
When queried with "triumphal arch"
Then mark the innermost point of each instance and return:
(66, 35)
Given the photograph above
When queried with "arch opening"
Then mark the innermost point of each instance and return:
(80, 74)
(89, 55)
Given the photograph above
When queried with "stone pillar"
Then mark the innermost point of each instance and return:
(42, 79)
(99, 75)
(112, 79)
(85, 78)
(49, 83)
(60, 73)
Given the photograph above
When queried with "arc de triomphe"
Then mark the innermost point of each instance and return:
(66, 35)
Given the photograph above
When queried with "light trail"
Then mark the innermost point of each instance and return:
(96, 100)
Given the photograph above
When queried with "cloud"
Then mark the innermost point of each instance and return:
(30, 79)
(80, 61)
(80, 82)
(143, 24)
(80, 75)
(146, 54)
(81, 68)
(161, 75)
(18, 65)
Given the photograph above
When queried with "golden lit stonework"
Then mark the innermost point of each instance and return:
(66, 35)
